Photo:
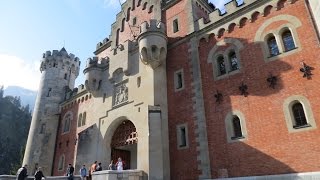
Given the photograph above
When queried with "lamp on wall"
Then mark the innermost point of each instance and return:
(243, 89)
(306, 70)
(219, 97)
(272, 80)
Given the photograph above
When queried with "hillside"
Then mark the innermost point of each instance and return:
(27, 96)
(14, 127)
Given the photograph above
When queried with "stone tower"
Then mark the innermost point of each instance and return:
(59, 71)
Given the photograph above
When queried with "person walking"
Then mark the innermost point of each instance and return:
(92, 169)
(119, 164)
(83, 172)
(99, 167)
(70, 171)
(38, 175)
(22, 173)
(111, 166)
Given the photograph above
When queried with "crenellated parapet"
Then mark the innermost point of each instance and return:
(60, 59)
(94, 72)
(153, 43)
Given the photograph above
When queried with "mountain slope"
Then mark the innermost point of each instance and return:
(26, 96)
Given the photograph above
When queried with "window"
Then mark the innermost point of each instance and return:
(49, 92)
(61, 163)
(144, 6)
(117, 37)
(65, 76)
(178, 80)
(237, 132)
(150, 9)
(299, 116)
(84, 118)
(128, 14)
(123, 24)
(67, 123)
(182, 136)
(221, 65)
(175, 26)
(288, 41)
(134, 21)
(273, 47)
(80, 120)
(235, 127)
(234, 63)
(42, 128)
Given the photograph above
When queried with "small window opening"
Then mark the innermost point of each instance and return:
(183, 138)
(221, 66)
(299, 115)
(288, 41)
(49, 92)
(237, 132)
(175, 26)
(273, 47)
(179, 80)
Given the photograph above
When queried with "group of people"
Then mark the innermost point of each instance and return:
(119, 165)
(22, 173)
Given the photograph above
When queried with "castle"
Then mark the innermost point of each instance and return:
(182, 91)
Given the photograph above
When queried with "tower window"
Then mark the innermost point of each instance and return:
(79, 119)
(175, 26)
(49, 92)
(67, 123)
(288, 41)
(61, 163)
(65, 76)
(273, 46)
(134, 21)
(42, 128)
(178, 80)
(182, 136)
(84, 118)
(237, 132)
(299, 115)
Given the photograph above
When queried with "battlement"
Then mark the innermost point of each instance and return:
(230, 8)
(153, 26)
(95, 62)
(60, 59)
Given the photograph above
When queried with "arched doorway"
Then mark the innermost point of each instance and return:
(124, 144)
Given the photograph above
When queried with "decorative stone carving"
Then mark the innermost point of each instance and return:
(120, 94)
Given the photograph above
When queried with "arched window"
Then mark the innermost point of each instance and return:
(139, 3)
(61, 163)
(117, 37)
(151, 9)
(273, 46)
(65, 76)
(80, 120)
(67, 123)
(288, 41)
(84, 118)
(234, 62)
(299, 115)
(221, 65)
(237, 132)
(144, 6)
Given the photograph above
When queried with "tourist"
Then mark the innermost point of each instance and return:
(111, 166)
(70, 171)
(119, 164)
(92, 169)
(22, 173)
(99, 167)
(38, 175)
(83, 172)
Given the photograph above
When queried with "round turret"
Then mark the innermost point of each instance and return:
(94, 73)
(58, 73)
(153, 43)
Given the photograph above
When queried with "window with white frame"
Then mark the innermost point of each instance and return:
(298, 114)
(61, 163)
(182, 136)
(235, 126)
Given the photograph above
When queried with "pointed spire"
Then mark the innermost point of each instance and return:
(63, 50)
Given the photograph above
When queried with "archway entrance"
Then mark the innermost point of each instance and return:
(124, 144)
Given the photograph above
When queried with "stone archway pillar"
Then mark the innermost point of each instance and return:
(156, 164)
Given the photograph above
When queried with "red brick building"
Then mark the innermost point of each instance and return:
(205, 94)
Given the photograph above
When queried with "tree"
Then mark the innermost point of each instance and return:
(1, 92)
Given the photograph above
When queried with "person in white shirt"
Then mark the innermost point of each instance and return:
(119, 164)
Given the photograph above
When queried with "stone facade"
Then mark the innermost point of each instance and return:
(198, 94)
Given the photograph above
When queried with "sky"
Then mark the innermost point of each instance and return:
(30, 28)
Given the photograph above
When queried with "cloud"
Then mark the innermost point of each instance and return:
(15, 71)
(113, 3)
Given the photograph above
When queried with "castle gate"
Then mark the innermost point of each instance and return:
(124, 144)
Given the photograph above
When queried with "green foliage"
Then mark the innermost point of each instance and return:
(14, 127)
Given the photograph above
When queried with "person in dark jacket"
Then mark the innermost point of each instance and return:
(38, 175)
(70, 171)
(22, 173)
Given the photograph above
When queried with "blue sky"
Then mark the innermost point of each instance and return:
(29, 28)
